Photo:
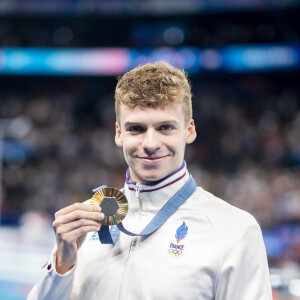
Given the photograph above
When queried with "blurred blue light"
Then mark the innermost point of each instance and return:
(116, 61)
(261, 57)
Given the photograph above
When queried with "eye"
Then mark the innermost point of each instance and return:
(135, 128)
(166, 127)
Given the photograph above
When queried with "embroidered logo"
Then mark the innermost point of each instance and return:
(95, 236)
(181, 232)
(176, 250)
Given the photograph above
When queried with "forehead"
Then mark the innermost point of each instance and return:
(173, 112)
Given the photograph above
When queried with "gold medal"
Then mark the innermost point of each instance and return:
(113, 203)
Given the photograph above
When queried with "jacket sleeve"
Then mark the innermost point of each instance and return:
(51, 285)
(244, 272)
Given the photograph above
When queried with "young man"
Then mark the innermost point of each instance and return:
(205, 250)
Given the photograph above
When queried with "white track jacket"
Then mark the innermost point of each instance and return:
(207, 250)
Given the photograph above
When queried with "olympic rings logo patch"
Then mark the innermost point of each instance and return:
(175, 252)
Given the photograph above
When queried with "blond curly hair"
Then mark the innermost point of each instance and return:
(154, 85)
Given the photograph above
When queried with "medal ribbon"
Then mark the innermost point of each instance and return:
(107, 236)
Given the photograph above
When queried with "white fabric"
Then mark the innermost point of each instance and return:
(223, 254)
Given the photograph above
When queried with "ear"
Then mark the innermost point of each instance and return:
(118, 138)
(191, 132)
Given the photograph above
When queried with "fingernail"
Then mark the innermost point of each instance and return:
(101, 216)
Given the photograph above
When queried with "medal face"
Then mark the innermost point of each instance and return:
(113, 203)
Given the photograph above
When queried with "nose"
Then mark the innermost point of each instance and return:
(150, 142)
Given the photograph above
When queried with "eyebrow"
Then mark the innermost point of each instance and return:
(131, 123)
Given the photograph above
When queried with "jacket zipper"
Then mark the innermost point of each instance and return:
(138, 197)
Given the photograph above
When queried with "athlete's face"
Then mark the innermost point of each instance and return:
(153, 140)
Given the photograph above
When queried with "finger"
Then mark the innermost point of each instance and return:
(78, 206)
(76, 224)
(74, 235)
(77, 215)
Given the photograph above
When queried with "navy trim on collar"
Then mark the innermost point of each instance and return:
(161, 187)
(148, 184)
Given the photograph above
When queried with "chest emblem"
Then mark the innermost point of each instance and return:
(181, 232)
(176, 249)
(95, 236)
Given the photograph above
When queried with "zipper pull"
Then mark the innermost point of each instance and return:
(138, 196)
(137, 191)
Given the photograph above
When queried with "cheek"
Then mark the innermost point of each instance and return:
(130, 144)
(175, 142)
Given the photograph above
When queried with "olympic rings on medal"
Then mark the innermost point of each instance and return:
(175, 252)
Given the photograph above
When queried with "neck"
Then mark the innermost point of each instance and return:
(129, 179)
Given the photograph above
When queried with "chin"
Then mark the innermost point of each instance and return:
(152, 179)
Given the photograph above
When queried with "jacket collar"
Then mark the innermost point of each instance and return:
(150, 198)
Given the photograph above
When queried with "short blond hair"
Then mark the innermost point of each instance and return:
(154, 85)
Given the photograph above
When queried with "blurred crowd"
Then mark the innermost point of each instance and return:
(59, 144)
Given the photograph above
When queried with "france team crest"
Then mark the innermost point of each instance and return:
(181, 232)
(176, 250)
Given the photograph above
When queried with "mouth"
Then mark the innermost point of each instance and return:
(153, 160)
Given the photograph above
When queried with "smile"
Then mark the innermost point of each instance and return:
(152, 160)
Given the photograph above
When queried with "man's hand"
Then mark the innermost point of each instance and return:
(71, 226)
